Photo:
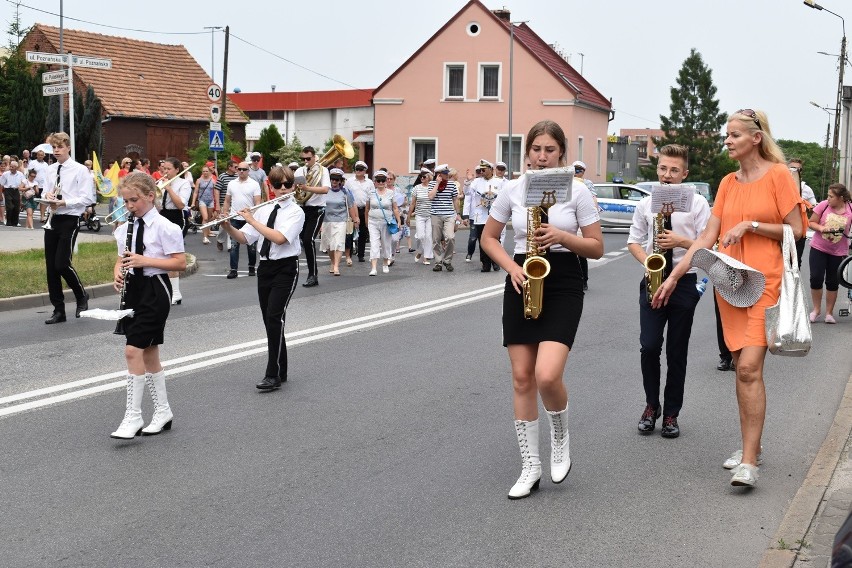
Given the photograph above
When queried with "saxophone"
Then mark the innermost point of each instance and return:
(536, 267)
(655, 263)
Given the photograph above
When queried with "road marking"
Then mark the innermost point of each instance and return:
(245, 350)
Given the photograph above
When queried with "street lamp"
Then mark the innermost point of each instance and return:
(825, 154)
(838, 109)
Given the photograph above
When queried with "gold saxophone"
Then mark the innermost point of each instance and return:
(536, 267)
(655, 263)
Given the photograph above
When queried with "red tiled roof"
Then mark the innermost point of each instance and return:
(538, 48)
(306, 100)
(147, 80)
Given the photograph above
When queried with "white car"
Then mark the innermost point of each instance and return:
(617, 201)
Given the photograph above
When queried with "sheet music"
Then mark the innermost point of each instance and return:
(678, 195)
(544, 185)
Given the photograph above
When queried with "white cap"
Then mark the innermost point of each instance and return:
(425, 171)
(254, 154)
(443, 168)
(483, 163)
(360, 164)
(429, 162)
(578, 164)
(293, 165)
(501, 165)
(382, 173)
(335, 172)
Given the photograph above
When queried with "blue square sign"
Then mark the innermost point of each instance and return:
(217, 141)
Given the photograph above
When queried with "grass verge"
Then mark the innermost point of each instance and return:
(23, 272)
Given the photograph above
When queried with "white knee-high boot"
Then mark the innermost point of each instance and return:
(560, 456)
(162, 419)
(530, 463)
(132, 424)
(176, 295)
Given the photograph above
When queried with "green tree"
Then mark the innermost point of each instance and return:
(290, 152)
(695, 121)
(268, 143)
(200, 154)
(22, 107)
(87, 124)
(816, 163)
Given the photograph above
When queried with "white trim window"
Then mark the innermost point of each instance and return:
(455, 79)
(421, 149)
(490, 81)
(517, 151)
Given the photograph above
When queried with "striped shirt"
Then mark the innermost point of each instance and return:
(442, 203)
(222, 186)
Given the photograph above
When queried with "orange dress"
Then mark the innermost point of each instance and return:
(767, 200)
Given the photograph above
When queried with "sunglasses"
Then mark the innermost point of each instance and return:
(380, 180)
(360, 169)
(242, 169)
(752, 115)
(288, 184)
(306, 158)
(336, 179)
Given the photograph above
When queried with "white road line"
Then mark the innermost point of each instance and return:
(245, 350)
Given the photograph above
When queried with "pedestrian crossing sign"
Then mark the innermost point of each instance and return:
(217, 141)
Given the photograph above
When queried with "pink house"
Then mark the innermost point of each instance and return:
(450, 100)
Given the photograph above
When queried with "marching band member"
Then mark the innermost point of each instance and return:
(318, 184)
(276, 228)
(484, 191)
(671, 168)
(70, 183)
(156, 246)
(175, 197)
(539, 348)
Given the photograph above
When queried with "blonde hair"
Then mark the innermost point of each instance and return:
(139, 181)
(59, 139)
(769, 149)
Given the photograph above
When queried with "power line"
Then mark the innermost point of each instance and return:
(99, 24)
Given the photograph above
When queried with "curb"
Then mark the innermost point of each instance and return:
(803, 508)
(97, 291)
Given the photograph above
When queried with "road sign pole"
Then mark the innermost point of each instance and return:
(71, 102)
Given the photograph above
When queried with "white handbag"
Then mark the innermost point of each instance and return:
(788, 330)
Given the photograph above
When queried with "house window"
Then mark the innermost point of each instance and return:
(517, 150)
(278, 114)
(580, 148)
(489, 81)
(454, 81)
(421, 150)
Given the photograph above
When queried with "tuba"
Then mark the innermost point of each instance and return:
(340, 148)
(536, 267)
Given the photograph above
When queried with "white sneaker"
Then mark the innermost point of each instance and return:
(737, 458)
(385, 269)
(373, 272)
(426, 262)
(745, 475)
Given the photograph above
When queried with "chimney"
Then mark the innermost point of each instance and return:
(503, 14)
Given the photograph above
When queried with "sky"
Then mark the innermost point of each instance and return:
(763, 53)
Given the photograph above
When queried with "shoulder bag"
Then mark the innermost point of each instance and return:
(393, 228)
(788, 331)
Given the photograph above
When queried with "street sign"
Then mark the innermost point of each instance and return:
(214, 92)
(215, 126)
(94, 62)
(54, 76)
(215, 113)
(50, 90)
(49, 58)
(78, 61)
(217, 141)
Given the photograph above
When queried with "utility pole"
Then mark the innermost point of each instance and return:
(225, 76)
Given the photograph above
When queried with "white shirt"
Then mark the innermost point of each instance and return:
(480, 187)
(161, 239)
(316, 199)
(360, 190)
(808, 194)
(690, 225)
(570, 216)
(76, 185)
(41, 171)
(12, 180)
(242, 194)
(288, 222)
(182, 188)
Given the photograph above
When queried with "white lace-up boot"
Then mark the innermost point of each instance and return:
(530, 464)
(162, 419)
(132, 424)
(560, 455)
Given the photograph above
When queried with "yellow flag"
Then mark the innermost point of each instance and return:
(111, 180)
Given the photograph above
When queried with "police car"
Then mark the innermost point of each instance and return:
(617, 201)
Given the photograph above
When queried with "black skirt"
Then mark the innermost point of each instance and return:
(562, 304)
(150, 297)
(175, 216)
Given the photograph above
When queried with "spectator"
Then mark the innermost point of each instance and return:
(444, 194)
(381, 208)
(29, 191)
(11, 180)
(420, 211)
(831, 221)
(219, 192)
(242, 193)
(339, 206)
(361, 187)
(203, 198)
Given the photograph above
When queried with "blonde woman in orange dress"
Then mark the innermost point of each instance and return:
(751, 207)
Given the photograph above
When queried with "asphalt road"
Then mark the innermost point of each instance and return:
(392, 444)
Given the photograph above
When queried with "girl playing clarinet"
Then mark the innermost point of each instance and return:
(275, 227)
(149, 247)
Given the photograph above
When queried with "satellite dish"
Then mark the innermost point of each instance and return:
(238, 90)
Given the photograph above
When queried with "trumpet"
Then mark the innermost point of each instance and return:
(163, 182)
(279, 199)
(47, 225)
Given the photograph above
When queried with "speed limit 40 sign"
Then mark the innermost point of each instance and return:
(214, 92)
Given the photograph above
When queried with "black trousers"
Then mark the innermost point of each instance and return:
(276, 282)
(800, 249)
(474, 233)
(13, 205)
(58, 246)
(313, 221)
(724, 352)
(483, 257)
(363, 233)
(678, 314)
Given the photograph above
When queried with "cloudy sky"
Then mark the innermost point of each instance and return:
(763, 53)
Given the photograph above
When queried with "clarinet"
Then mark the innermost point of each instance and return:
(119, 326)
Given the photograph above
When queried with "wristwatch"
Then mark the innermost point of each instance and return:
(754, 226)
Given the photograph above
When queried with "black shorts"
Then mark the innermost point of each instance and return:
(562, 304)
(150, 297)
